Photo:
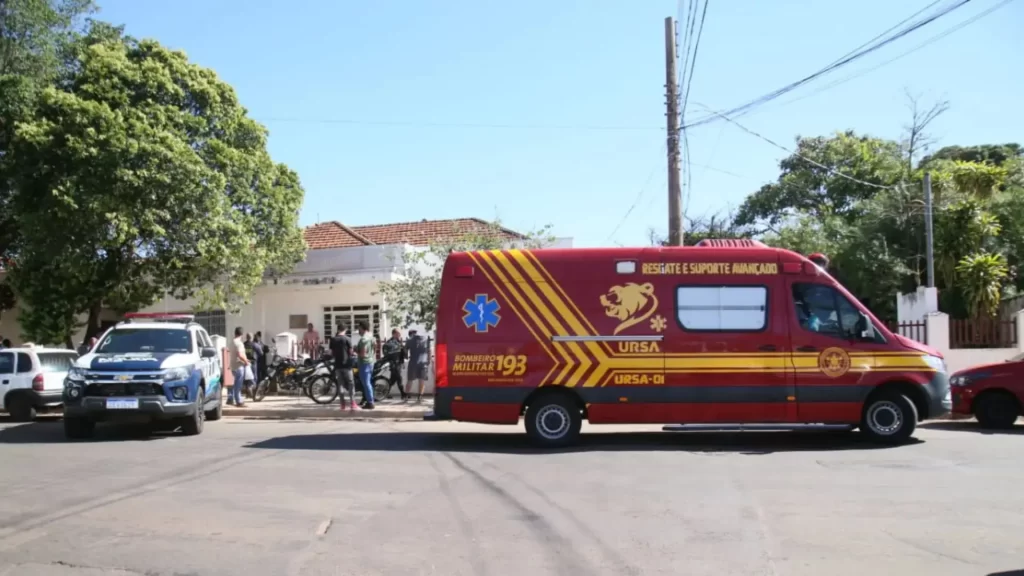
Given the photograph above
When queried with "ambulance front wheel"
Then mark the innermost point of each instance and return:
(553, 420)
(889, 417)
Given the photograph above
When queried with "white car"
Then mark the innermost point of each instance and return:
(151, 367)
(32, 380)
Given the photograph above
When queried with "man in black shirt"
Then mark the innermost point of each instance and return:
(394, 354)
(418, 353)
(341, 350)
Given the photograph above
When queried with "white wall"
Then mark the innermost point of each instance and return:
(913, 307)
(937, 326)
(957, 360)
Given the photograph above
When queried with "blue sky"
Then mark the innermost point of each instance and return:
(551, 112)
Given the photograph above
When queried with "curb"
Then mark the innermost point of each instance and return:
(323, 414)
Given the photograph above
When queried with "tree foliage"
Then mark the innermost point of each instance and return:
(139, 175)
(827, 176)
(865, 209)
(413, 297)
(34, 34)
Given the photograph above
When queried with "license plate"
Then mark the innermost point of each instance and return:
(122, 403)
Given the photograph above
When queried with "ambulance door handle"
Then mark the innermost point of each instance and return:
(806, 349)
(768, 348)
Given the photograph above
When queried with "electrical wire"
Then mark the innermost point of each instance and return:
(405, 124)
(856, 55)
(832, 171)
(920, 46)
(639, 196)
(693, 61)
(888, 30)
(688, 67)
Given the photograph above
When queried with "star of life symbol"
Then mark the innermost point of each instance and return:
(481, 313)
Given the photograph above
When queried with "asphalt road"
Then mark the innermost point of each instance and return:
(362, 498)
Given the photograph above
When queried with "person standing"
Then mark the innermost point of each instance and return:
(341, 350)
(261, 360)
(311, 341)
(394, 353)
(238, 364)
(419, 357)
(86, 347)
(366, 354)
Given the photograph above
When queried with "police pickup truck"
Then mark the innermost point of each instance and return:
(151, 368)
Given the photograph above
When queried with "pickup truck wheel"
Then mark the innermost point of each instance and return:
(996, 410)
(889, 418)
(21, 408)
(553, 421)
(193, 425)
(218, 412)
(78, 428)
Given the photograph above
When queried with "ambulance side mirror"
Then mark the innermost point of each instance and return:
(865, 328)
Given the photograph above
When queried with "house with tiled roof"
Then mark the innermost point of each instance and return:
(339, 280)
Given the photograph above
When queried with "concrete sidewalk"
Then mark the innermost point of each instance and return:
(301, 407)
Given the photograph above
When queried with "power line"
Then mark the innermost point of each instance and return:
(639, 196)
(409, 124)
(832, 171)
(832, 67)
(887, 30)
(693, 61)
(920, 46)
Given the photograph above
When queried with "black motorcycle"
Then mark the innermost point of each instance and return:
(284, 375)
(387, 373)
(323, 387)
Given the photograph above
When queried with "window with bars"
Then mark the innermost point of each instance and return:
(214, 322)
(349, 316)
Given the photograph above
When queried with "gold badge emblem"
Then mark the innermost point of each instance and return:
(834, 362)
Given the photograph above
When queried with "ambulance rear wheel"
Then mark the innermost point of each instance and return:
(553, 420)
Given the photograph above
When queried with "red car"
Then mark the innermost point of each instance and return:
(992, 393)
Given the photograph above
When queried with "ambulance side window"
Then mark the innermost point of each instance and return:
(722, 308)
(822, 309)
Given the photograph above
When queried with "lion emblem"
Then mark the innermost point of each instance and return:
(834, 362)
(630, 304)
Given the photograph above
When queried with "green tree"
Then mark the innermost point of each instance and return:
(827, 176)
(993, 154)
(413, 298)
(139, 175)
(981, 278)
(33, 36)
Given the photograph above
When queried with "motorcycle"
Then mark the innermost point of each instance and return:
(288, 375)
(323, 387)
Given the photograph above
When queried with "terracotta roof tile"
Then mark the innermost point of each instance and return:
(333, 235)
(337, 235)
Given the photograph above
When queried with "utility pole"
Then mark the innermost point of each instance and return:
(675, 200)
(929, 254)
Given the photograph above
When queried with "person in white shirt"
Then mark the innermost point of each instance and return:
(238, 363)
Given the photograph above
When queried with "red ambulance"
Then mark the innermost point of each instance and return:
(724, 332)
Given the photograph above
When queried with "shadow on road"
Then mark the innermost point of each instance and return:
(1008, 573)
(750, 443)
(51, 431)
(970, 426)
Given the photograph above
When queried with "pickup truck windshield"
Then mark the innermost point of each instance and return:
(157, 340)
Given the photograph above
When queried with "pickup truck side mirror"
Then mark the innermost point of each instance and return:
(208, 352)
